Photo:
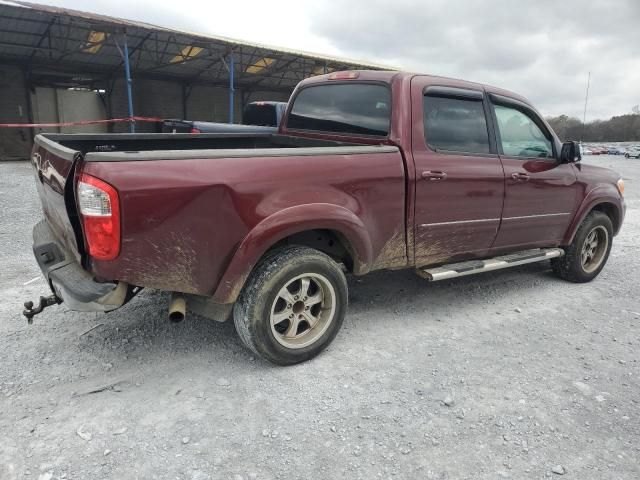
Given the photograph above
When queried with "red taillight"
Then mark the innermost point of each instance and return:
(195, 130)
(344, 76)
(100, 212)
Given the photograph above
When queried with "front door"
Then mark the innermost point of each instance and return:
(540, 192)
(459, 184)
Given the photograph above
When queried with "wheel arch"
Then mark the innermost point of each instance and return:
(330, 228)
(602, 200)
(611, 211)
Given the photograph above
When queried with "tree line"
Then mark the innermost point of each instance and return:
(622, 128)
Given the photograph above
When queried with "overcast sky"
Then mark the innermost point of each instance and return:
(541, 49)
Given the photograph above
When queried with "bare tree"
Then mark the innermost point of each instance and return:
(622, 128)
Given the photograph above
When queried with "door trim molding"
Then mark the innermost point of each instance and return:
(537, 216)
(460, 222)
(480, 220)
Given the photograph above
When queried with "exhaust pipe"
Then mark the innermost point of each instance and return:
(177, 308)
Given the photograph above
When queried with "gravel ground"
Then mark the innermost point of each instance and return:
(511, 374)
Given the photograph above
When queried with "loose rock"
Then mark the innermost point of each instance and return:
(82, 434)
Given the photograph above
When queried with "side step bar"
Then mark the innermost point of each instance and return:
(461, 269)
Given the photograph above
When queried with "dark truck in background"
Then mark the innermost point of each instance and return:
(257, 117)
(368, 171)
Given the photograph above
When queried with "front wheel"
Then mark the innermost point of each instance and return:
(586, 256)
(292, 305)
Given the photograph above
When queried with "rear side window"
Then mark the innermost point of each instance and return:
(457, 125)
(354, 108)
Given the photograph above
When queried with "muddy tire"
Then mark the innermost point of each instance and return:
(292, 305)
(589, 251)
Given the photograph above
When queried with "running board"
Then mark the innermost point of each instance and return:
(461, 269)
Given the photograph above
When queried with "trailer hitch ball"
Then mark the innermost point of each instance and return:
(44, 302)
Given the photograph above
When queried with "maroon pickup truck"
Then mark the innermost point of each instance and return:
(369, 171)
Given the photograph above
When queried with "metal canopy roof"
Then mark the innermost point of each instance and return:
(72, 48)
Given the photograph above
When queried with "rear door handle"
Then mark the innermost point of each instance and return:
(520, 177)
(434, 175)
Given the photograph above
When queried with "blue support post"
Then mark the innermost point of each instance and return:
(231, 87)
(127, 71)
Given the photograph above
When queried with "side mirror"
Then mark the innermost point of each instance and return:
(570, 152)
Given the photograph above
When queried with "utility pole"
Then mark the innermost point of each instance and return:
(586, 99)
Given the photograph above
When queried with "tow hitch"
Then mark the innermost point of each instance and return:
(45, 302)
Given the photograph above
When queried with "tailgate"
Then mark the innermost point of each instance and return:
(54, 166)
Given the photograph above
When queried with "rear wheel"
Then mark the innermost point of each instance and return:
(589, 251)
(292, 306)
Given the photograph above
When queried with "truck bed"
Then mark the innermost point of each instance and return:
(189, 202)
(181, 145)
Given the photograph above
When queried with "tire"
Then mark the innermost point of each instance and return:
(316, 298)
(626, 155)
(588, 253)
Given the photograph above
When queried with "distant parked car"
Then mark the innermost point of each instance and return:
(632, 153)
(615, 151)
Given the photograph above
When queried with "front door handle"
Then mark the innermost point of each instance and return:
(434, 175)
(520, 177)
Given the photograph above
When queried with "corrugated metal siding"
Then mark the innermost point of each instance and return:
(212, 104)
(15, 143)
(267, 95)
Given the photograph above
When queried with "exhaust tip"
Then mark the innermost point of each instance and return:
(177, 308)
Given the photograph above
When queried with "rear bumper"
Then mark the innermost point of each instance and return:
(75, 286)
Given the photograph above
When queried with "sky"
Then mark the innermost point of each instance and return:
(542, 49)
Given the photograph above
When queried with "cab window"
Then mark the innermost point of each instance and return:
(455, 125)
(520, 136)
(354, 108)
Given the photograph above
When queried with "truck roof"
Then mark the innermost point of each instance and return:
(388, 76)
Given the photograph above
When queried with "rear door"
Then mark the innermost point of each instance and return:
(540, 192)
(459, 185)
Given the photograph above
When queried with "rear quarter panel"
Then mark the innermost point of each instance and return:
(183, 220)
